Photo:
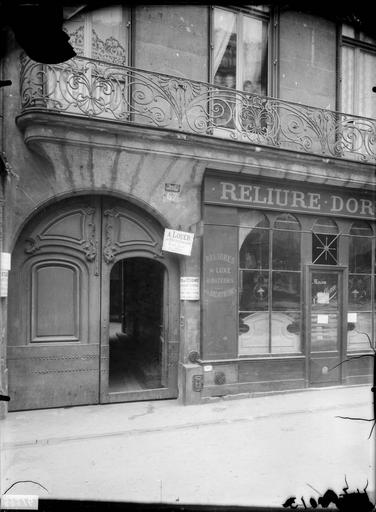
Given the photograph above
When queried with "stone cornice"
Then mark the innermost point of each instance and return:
(41, 128)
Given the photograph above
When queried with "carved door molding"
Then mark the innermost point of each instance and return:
(59, 296)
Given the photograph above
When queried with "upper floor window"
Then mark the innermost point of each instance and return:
(240, 49)
(101, 34)
(358, 73)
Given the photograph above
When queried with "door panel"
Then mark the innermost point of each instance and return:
(136, 276)
(59, 309)
(325, 326)
(54, 337)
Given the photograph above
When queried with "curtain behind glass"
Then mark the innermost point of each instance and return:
(224, 54)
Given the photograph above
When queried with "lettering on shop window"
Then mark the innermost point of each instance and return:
(219, 275)
(262, 195)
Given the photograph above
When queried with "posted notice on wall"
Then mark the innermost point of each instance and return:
(5, 264)
(3, 283)
(189, 288)
(179, 242)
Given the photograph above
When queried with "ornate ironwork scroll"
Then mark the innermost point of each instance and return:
(109, 248)
(93, 88)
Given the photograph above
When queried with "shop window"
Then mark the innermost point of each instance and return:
(360, 304)
(269, 286)
(325, 242)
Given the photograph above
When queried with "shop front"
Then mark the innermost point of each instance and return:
(288, 285)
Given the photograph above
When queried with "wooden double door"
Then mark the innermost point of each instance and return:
(92, 308)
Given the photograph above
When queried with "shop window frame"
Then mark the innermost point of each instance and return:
(353, 309)
(272, 218)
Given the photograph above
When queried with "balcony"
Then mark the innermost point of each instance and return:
(94, 89)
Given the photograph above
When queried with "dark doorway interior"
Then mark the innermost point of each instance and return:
(136, 325)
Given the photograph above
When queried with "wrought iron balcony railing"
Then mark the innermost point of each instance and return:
(96, 89)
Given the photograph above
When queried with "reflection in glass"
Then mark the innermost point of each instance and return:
(324, 290)
(286, 332)
(325, 225)
(254, 250)
(224, 54)
(324, 331)
(286, 250)
(255, 62)
(253, 333)
(359, 325)
(360, 292)
(360, 255)
(286, 290)
(254, 290)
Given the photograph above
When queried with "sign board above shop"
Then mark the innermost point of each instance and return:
(289, 196)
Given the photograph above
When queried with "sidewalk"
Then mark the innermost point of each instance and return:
(254, 451)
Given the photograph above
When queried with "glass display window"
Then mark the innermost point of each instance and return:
(361, 280)
(269, 284)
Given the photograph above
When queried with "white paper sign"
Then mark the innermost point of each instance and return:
(352, 317)
(322, 319)
(189, 288)
(4, 283)
(323, 298)
(5, 261)
(179, 242)
(19, 502)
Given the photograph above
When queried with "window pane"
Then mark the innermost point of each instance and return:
(286, 331)
(287, 221)
(325, 225)
(75, 28)
(285, 290)
(324, 291)
(253, 290)
(348, 30)
(253, 333)
(224, 55)
(254, 252)
(347, 82)
(361, 228)
(254, 64)
(324, 332)
(286, 250)
(359, 325)
(324, 249)
(360, 256)
(360, 292)
(109, 34)
(367, 80)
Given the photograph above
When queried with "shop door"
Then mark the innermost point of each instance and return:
(71, 267)
(324, 326)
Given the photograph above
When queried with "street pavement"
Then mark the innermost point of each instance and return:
(254, 451)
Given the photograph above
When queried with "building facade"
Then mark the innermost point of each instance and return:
(252, 129)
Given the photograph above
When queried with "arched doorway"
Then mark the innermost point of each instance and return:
(92, 308)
